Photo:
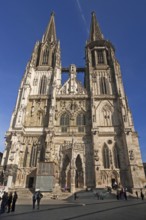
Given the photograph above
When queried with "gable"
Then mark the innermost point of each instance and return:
(74, 87)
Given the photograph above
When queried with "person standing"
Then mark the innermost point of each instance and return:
(118, 194)
(75, 196)
(97, 195)
(34, 199)
(4, 202)
(125, 193)
(9, 202)
(142, 195)
(39, 196)
(14, 199)
(136, 194)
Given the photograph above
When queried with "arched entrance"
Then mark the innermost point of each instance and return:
(66, 174)
(114, 180)
(79, 179)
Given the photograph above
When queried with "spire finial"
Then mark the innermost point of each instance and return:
(51, 30)
(93, 13)
(52, 13)
(95, 32)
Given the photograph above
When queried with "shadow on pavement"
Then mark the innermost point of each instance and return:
(27, 209)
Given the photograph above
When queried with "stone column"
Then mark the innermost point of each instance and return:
(72, 187)
(73, 173)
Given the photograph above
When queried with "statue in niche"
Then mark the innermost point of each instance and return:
(32, 111)
(131, 155)
(73, 106)
(96, 157)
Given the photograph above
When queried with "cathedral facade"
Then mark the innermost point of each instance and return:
(75, 135)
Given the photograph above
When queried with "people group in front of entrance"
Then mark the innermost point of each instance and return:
(8, 202)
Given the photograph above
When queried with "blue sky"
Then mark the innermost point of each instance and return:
(122, 22)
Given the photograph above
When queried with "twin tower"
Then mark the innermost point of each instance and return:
(74, 135)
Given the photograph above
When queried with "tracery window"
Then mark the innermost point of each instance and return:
(43, 85)
(33, 159)
(97, 56)
(64, 122)
(106, 159)
(81, 122)
(100, 56)
(107, 117)
(104, 86)
(93, 57)
(45, 57)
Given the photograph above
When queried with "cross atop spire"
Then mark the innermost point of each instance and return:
(50, 34)
(95, 32)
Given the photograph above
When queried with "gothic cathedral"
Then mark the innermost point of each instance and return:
(75, 135)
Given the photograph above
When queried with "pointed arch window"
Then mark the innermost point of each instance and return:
(97, 56)
(45, 56)
(81, 122)
(64, 122)
(53, 60)
(93, 57)
(106, 159)
(107, 116)
(100, 56)
(43, 85)
(104, 86)
(33, 159)
(116, 157)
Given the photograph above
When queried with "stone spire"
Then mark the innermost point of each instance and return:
(50, 34)
(95, 32)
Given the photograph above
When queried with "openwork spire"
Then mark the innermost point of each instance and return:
(50, 34)
(95, 32)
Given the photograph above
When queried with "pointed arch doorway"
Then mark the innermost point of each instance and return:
(79, 176)
(66, 174)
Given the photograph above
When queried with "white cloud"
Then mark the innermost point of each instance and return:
(82, 15)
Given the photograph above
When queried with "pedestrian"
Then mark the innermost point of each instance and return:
(9, 201)
(75, 196)
(121, 193)
(39, 196)
(4, 202)
(14, 199)
(118, 194)
(34, 197)
(136, 194)
(142, 195)
(115, 185)
(125, 193)
(97, 195)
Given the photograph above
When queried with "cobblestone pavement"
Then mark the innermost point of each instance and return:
(81, 209)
